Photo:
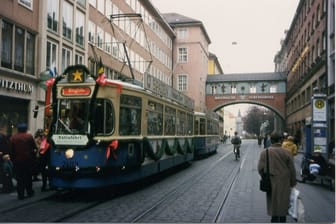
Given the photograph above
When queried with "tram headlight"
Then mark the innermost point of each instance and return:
(69, 153)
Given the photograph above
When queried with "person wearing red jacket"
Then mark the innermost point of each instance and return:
(23, 149)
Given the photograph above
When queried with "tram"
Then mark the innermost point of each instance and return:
(206, 130)
(105, 132)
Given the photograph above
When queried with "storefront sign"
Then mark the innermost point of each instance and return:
(16, 86)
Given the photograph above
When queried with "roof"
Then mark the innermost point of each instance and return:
(267, 76)
(176, 20)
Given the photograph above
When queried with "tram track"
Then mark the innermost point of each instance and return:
(69, 207)
(191, 181)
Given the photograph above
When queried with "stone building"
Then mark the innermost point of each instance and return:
(305, 53)
(18, 62)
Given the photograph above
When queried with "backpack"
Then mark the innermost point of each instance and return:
(235, 140)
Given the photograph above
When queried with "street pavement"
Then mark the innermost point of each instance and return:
(245, 203)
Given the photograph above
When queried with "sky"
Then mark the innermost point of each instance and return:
(256, 26)
(245, 34)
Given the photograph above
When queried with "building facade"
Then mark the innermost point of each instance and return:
(140, 27)
(304, 57)
(190, 57)
(44, 37)
(19, 61)
(214, 66)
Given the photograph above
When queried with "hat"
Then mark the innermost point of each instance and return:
(290, 138)
(22, 127)
(317, 150)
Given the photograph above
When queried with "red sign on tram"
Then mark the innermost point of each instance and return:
(76, 91)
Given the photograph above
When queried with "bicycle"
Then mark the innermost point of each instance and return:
(236, 148)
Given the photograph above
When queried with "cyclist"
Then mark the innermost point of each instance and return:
(236, 141)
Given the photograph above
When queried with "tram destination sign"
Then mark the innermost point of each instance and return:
(160, 88)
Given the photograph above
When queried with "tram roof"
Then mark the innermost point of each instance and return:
(237, 77)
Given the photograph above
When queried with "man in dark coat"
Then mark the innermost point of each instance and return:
(23, 154)
(283, 178)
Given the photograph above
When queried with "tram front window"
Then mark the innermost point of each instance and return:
(72, 117)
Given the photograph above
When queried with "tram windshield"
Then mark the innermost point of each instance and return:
(73, 116)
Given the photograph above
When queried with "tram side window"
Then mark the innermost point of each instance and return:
(170, 118)
(202, 126)
(130, 115)
(189, 124)
(181, 123)
(196, 130)
(104, 117)
(154, 118)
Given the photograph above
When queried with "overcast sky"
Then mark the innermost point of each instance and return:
(257, 26)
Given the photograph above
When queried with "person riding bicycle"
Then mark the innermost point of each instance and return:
(236, 141)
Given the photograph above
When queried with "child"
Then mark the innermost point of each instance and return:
(7, 169)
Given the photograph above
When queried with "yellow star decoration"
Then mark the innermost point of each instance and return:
(77, 76)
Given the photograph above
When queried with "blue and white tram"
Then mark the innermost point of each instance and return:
(105, 132)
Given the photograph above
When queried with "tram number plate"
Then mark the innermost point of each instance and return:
(70, 164)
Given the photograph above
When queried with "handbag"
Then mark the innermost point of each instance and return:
(265, 184)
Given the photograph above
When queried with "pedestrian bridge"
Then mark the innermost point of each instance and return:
(266, 89)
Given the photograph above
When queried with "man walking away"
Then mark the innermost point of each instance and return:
(23, 154)
(283, 178)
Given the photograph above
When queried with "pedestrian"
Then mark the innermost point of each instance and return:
(267, 141)
(283, 178)
(43, 157)
(289, 145)
(4, 147)
(23, 154)
(317, 163)
(236, 141)
(7, 170)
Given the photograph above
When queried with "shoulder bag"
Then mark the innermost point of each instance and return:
(265, 184)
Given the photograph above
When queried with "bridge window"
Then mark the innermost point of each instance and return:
(213, 89)
(233, 88)
(253, 89)
(273, 89)
(182, 55)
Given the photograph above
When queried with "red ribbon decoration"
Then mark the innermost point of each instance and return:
(112, 147)
(101, 80)
(44, 146)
